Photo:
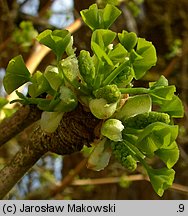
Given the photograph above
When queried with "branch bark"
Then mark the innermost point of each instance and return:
(75, 130)
(13, 125)
(20, 164)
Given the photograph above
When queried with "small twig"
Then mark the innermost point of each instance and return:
(112, 180)
(179, 188)
(52, 190)
(24, 2)
(69, 178)
(36, 20)
(170, 68)
(45, 7)
(109, 180)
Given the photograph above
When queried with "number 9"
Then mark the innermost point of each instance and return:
(181, 208)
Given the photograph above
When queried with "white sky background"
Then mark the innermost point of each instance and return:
(61, 11)
(2, 90)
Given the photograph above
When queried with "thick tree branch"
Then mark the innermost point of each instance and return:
(13, 125)
(75, 130)
(21, 163)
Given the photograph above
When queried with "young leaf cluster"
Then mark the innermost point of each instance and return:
(24, 35)
(102, 81)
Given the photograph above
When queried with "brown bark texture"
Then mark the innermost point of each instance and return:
(75, 130)
(13, 125)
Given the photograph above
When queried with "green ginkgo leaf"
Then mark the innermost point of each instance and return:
(39, 85)
(56, 40)
(16, 75)
(174, 107)
(128, 40)
(92, 17)
(161, 179)
(100, 53)
(135, 105)
(110, 14)
(118, 54)
(54, 78)
(100, 18)
(169, 155)
(103, 37)
(148, 53)
(162, 81)
(156, 136)
(162, 93)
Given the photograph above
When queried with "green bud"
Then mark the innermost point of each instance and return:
(130, 163)
(122, 154)
(101, 109)
(110, 93)
(86, 67)
(125, 77)
(112, 129)
(142, 120)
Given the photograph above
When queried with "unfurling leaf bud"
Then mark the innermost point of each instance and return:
(112, 129)
(101, 109)
(86, 67)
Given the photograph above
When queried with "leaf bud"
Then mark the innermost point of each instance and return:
(112, 129)
(101, 109)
